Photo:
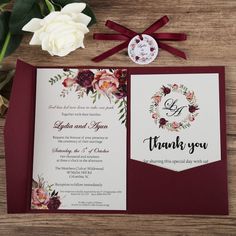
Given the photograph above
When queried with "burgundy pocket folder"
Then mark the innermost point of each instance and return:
(150, 188)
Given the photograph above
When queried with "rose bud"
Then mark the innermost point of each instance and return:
(121, 92)
(192, 108)
(175, 86)
(154, 115)
(162, 122)
(166, 90)
(68, 82)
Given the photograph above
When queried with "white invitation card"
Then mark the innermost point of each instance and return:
(79, 158)
(175, 119)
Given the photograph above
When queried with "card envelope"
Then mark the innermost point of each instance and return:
(150, 188)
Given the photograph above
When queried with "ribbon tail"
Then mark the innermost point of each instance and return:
(170, 36)
(172, 50)
(101, 36)
(120, 28)
(156, 25)
(111, 52)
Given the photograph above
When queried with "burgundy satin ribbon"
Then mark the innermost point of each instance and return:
(127, 34)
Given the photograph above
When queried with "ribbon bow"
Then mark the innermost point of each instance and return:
(127, 34)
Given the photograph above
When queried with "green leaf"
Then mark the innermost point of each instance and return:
(4, 19)
(8, 42)
(65, 2)
(4, 1)
(87, 11)
(120, 105)
(49, 5)
(121, 110)
(23, 11)
(14, 43)
(43, 8)
(122, 116)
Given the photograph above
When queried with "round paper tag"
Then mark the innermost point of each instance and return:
(142, 49)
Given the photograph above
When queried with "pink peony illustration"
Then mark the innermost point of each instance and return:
(43, 197)
(39, 197)
(68, 82)
(190, 96)
(105, 82)
(175, 125)
(175, 86)
(154, 115)
(157, 99)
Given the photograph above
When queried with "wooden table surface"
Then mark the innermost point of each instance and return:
(211, 30)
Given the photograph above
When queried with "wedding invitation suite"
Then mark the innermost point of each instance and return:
(120, 140)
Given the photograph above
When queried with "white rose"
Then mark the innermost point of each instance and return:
(60, 32)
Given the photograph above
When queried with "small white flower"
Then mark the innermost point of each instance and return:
(60, 32)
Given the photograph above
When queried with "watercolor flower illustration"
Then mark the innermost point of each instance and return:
(191, 103)
(105, 82)
(43, 197)
(110, 83)
(175, 125)
(189, 95)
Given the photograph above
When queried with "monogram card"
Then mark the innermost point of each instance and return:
(177, 149)
(175, 124)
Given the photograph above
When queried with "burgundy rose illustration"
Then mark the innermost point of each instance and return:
(54, 203)
(162, 122)
(121, 74)
(121, 91)
(85, 79)
(165, 90)
(192, 108)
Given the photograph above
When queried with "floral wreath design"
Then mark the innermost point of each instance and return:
(43, 196)
(143, 58)
(192, 107)
(111, 83)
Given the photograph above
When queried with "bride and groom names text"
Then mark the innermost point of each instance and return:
(95, 125)
(155, 143)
